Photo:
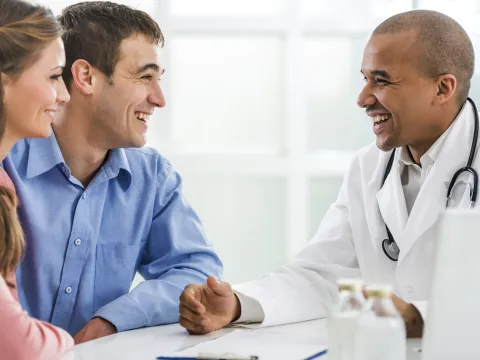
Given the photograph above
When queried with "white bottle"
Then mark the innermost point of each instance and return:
(381, 330)
(342, 321)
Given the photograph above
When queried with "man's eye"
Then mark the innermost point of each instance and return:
(381, 82)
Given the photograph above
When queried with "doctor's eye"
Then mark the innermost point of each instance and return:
(381, 82)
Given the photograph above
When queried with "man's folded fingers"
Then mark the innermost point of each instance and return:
(193, 316)
(192, 328)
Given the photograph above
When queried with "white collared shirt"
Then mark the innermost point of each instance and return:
(413, 175)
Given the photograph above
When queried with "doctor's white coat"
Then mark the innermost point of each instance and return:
(349, 240)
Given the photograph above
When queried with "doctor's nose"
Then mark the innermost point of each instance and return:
(366, 98)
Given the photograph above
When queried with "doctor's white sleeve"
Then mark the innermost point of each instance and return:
(305, 289)
(252, 311)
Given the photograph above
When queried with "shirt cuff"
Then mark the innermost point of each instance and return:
(124, 313)
(251, 310)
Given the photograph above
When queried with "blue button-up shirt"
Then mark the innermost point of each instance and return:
(84, 245)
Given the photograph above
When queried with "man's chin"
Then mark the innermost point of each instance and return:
(139, 143)
(135, 144)
(385, 144)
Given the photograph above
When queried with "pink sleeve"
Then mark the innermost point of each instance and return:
(23, 337)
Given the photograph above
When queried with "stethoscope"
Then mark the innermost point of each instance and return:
(390, 247)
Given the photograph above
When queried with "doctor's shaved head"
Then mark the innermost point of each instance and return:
(417, 68)
(443, 45)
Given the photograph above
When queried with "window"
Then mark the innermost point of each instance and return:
(261, 118)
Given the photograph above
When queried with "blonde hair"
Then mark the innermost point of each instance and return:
(25, 30)
(11, 234)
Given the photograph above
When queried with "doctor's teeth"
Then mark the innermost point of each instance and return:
(380, 117)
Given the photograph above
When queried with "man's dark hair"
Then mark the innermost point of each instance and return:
(94, 30)
(444, 46)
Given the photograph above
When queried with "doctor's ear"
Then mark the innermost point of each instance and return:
(446, 87)
(84, 76)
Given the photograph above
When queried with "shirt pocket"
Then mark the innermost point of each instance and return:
(115, 267)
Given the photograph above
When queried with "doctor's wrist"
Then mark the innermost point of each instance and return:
(411, 316)
(237, 310)
(413, 321)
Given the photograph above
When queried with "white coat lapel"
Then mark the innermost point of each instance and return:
(391, 201)
(432, 198)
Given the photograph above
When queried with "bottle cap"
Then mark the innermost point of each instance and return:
(350, 284)
(379, 290)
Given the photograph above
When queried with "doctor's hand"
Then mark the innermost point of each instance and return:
(208, 307)
(411, 316)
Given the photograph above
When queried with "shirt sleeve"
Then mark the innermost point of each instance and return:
(178, 253)
(305, 288)
(23, 337)
(251, 310)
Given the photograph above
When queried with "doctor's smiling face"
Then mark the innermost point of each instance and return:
(396, 96)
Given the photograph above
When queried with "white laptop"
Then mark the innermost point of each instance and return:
(452, 329)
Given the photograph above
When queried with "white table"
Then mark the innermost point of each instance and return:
(147, 343)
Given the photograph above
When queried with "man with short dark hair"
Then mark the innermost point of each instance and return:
(96, 207)
(417, 68)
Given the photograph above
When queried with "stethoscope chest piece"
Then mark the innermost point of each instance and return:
(391, 250)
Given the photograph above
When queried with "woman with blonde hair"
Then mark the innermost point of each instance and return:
(31, 91)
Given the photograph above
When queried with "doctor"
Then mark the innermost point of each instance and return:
(417, 68)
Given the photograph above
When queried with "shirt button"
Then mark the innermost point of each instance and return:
(410, 292)
(68, 290)
(84, 195)
(78, 242)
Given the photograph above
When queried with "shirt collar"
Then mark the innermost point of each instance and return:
(117, 160)
(45, 154)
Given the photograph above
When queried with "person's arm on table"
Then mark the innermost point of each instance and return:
(178, 253)
(303, 290)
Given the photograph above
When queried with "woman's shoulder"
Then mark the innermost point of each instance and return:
(8, 288)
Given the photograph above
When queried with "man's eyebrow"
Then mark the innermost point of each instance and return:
(381, 73)
(150, 66)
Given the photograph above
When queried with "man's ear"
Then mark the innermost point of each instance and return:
(83, 76)
(446, 88)
(6, 80)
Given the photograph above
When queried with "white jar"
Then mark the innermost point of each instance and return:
(342, 322)
(381, 331)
